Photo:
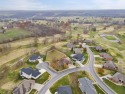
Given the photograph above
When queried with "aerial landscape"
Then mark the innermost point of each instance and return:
(62, 47)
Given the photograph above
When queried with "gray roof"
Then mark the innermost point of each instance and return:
(77, 50)
(25, 86)
(64, 90)
(78, 57)
(106, 56)
(98, 48)
(35, 57)
(70, 45)
(88, 41)
(86, 86)
(110, 65)
(119, 77)
(30, 71)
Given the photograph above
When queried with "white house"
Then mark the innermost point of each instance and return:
(35, 58)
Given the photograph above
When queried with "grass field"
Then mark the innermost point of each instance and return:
(110, 37)
(118, 89)
(54, 54)
(44, 77)
(13, 33)
(98, 89)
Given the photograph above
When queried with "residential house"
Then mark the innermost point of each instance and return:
(86, 86)
(64, 90)
(88, 41)
(29, 73)
(77, 50)
(78, 57)
(106, 56)
(70, 45)
(98, 48)
(118, 78)
(25, 87)
(34, 58)
(110, 65)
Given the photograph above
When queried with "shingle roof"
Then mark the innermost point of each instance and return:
(64, 90)
(88, 41)
(118, 77)
(77, 51)
(34, 57)
(30, 71)
(70, 45)
(110, 65)
(98, 48)
(78, 57)
(26, 84)
(86, 86)
(106, 56)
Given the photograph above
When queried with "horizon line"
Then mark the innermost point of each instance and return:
(65, 10)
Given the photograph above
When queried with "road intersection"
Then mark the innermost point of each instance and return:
(89, 67)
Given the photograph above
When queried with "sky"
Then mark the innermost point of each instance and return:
(61, 4)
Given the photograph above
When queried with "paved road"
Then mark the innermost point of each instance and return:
(94, 75)
(89, 67)
(50, 71)
(59, 76)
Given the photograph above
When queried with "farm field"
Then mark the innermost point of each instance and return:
(14, 33)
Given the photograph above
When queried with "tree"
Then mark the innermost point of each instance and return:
(78, 36)
(36, 41)
(93, 29)
(101, 71)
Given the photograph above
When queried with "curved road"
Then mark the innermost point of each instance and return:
(89, 67)
(94, 75)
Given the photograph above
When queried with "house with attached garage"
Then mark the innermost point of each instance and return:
(77, 50)
(78, 57)
(110, 65)
(86, 86)
(118, 78)
(87, 41)
(24, 88)
(70, 45)
(35, 58)
(29, 73)
(99, 48)
(106, 56)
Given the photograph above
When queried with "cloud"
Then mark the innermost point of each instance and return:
(61, 4)
(110, 4)
(23, 5)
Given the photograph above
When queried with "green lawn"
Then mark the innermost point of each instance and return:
(44, 77)
(118, 89)
(13, 33)
(2, 91)
(110, 37)
(33, 91)
(98, 89)
(67, 81)
(94, 51)
(86, 58)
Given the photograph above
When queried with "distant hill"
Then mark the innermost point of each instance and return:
(39, 14)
